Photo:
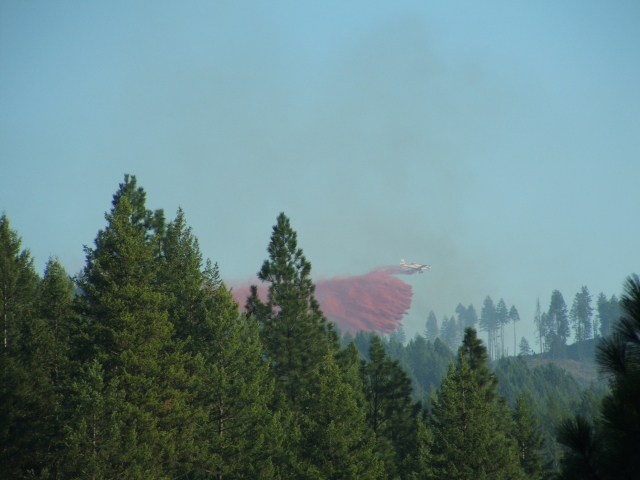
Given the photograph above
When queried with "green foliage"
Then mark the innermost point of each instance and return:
(524, 348)
(557, 326)
(608, 313)
(127, 332)
(529, 439)
(431, 331)
(608, 448)
(502, 318)
(182, 279)
(552, 393)
(450, 333)
(469, 442)
(489, 324)
(17, 284)
(295, 334)
(514, 317)
(19, 395)
(236, 431)
(336, 442)
(581, 314)
(427, 364)
(390, 412)
(151, 371)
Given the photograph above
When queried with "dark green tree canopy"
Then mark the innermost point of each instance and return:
(295, 333)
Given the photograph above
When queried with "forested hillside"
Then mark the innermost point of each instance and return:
(143, 366)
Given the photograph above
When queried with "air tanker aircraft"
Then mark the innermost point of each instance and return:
(415, 266)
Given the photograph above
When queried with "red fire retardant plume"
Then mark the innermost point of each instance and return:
(374, 301)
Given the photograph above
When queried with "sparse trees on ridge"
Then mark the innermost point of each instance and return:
(514, 316)
(608, 448)
(581, 314)
(608, 313)
(502, 318)
(524, 348)
(488, 323)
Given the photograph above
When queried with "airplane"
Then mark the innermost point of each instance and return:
(415, 266)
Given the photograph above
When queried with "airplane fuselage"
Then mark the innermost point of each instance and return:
(415, 266)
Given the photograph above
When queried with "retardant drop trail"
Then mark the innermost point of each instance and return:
(374, 301)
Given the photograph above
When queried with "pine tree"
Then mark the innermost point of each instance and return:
(237, 433)
(44, 354)
(449, 332)
(18, 282)
(418, 465)
(524, 348)
(97, 437)
(470, 440)
(514, 316)
(558, 325)
(182, 278)
(529, 439)
(540, 327)
(502, 318)
(580, 315)
(488, 323)
(55, 308)
(139, 367)
(390, 412)
(608, 313)
(431, 331)
(471, 317)
(337, 443)
(295, 334)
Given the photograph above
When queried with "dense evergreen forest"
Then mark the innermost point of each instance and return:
(143, 366)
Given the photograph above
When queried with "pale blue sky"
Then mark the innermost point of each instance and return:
(500, 142)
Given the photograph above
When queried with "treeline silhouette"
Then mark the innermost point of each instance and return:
(143, 366)
(553, 327)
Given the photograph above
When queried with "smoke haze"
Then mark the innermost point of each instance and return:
(497, 143)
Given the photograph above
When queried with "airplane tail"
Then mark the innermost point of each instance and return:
(402, 261)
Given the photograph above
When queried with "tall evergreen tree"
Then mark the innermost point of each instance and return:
(580, 315)
(18, 282)
(337, 443)
(529, 438)
(502, 318)
(295, 334)
(524, 348)
(488, 323)
(558, 325)
(514, 316)
(55, 309)
(390, 411)
(182, 279)
(608, 313)
(237, 434)
(469, 441)
(431, 331)
(133, 360)
(471, 317)
(44, 352)
(540, 327)
(450, 333)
